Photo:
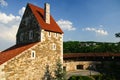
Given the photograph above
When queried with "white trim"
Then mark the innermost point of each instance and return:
(62, 48)
(42, 35)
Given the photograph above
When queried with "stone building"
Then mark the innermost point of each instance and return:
(39, 43)
(81, 61)
(89, 61)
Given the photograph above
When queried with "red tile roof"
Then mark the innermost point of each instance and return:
(77, 55)
(39, 14)
(13, 51)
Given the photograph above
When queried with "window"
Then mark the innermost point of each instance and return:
(25, 34)
(56, 34)
(79, 66)
(33, 54)
(49, 34)
(21, 37)
(53, 46)
(31, 34)
(64, 68)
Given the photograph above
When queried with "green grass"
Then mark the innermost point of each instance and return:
(80, 78)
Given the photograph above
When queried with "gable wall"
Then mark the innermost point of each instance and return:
(23, 67)
(28, 23)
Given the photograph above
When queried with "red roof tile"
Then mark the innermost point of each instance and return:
(77, 55)
(39, 14)
(13, 51)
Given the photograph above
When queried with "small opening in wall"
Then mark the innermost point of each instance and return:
(53, 46)
(31, 34)
(64, 68)
(49, 34)
(56, 34)
(33, 54)
(79, 66)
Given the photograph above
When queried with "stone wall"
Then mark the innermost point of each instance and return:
(72, 65)
(24, 67)
(2, 73)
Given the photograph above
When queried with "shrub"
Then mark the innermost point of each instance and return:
(80, 78)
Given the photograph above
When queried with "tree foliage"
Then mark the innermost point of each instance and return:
(87, 47)
(47, 75)
(117, 35)
(110, 70)
(80, 78)
(59, 72)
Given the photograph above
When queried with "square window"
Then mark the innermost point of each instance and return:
(53, 46)
(79, 66)
(56, 34)
(49, 34)
(64, 68)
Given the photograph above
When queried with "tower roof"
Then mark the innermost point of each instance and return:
(39, 15)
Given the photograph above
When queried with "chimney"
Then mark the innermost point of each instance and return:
(47, 13)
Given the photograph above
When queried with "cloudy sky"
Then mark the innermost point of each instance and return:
(81, 20)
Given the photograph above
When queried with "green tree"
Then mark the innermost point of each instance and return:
(60, 74)
(71, 46)
(47, 75)
(90, 47)
(117, 35)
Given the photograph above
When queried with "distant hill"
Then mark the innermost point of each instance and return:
(90, 46)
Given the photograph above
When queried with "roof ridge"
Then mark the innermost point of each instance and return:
(34, 5)
(37, 11)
